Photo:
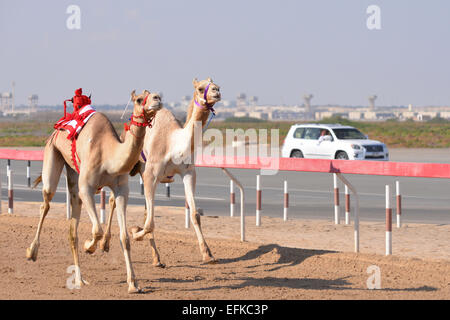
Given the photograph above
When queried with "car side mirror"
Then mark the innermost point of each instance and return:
(328, 138)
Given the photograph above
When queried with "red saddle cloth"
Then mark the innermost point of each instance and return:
(74, 122)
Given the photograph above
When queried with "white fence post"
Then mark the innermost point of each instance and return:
(141, 183)
(356, 222)
(286, 201)
(10, 192)
(167, 190)
(399, 204)
(347, 206)
(388, 223)
(336, 200)
(102, 206)
(28, 174)
(186, 215)
(228, 173)
(258, 200)
(232, 198)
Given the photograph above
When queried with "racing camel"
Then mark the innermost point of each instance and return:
(104, 160)
(164, 146)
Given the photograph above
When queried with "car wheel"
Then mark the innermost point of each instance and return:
(296, 154)
(342, 155)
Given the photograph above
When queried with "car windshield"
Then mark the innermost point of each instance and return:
(349, 133)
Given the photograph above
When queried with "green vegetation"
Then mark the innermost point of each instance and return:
(432, 134)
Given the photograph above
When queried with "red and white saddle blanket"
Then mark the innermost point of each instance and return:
(73, 123)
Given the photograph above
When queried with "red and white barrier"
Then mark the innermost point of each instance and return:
(399, 204)
(102, 206)
(388, 223)
(399, 169)
(286, 201)
(258, 200)
(347, 206)
(336, 200)
(232, 198)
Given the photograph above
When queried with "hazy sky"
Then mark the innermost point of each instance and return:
(276, 50)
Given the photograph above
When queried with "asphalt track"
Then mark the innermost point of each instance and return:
(310, 194)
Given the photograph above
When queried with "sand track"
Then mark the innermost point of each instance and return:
(259, 269)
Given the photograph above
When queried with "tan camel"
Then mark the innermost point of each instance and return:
(104, 161)
(169, 141)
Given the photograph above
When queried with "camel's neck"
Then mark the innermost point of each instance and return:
(195, 117)
(126, 154)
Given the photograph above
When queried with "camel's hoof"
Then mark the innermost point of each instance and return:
(133, 288)
(88, 247)
(159, 265)
(210, 260)
(104, 245)
(134, 231)
(32, 253)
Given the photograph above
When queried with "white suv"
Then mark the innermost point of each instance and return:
(331, 141)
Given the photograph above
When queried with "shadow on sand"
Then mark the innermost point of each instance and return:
(288, 257)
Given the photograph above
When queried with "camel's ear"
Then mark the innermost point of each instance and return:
(195, 82)
(133, 95)
(145, 92)
(209, 79)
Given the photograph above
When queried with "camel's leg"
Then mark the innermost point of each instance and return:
(75, 203)
(189, 180)
(104, 243)
(155, 254)
(87, 193)
(121, 193)
(51, 171)
(150, 183)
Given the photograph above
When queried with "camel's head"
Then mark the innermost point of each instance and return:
(146, 104)
(206, 93)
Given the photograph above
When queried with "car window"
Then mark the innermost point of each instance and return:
(298, 134)
(312, 133)
(349, 133)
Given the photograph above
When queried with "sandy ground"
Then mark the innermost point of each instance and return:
(298, 259)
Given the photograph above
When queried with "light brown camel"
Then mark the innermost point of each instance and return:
(104, 161)
(169, 141)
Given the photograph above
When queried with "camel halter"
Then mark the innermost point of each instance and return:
(146, 123)
(205, 97)
(208, 106)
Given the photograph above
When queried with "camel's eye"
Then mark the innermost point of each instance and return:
(201, 89)
(139, 100)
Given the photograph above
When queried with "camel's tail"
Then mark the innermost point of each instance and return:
(37, 181)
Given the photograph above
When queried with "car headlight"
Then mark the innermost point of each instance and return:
(356, 146)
